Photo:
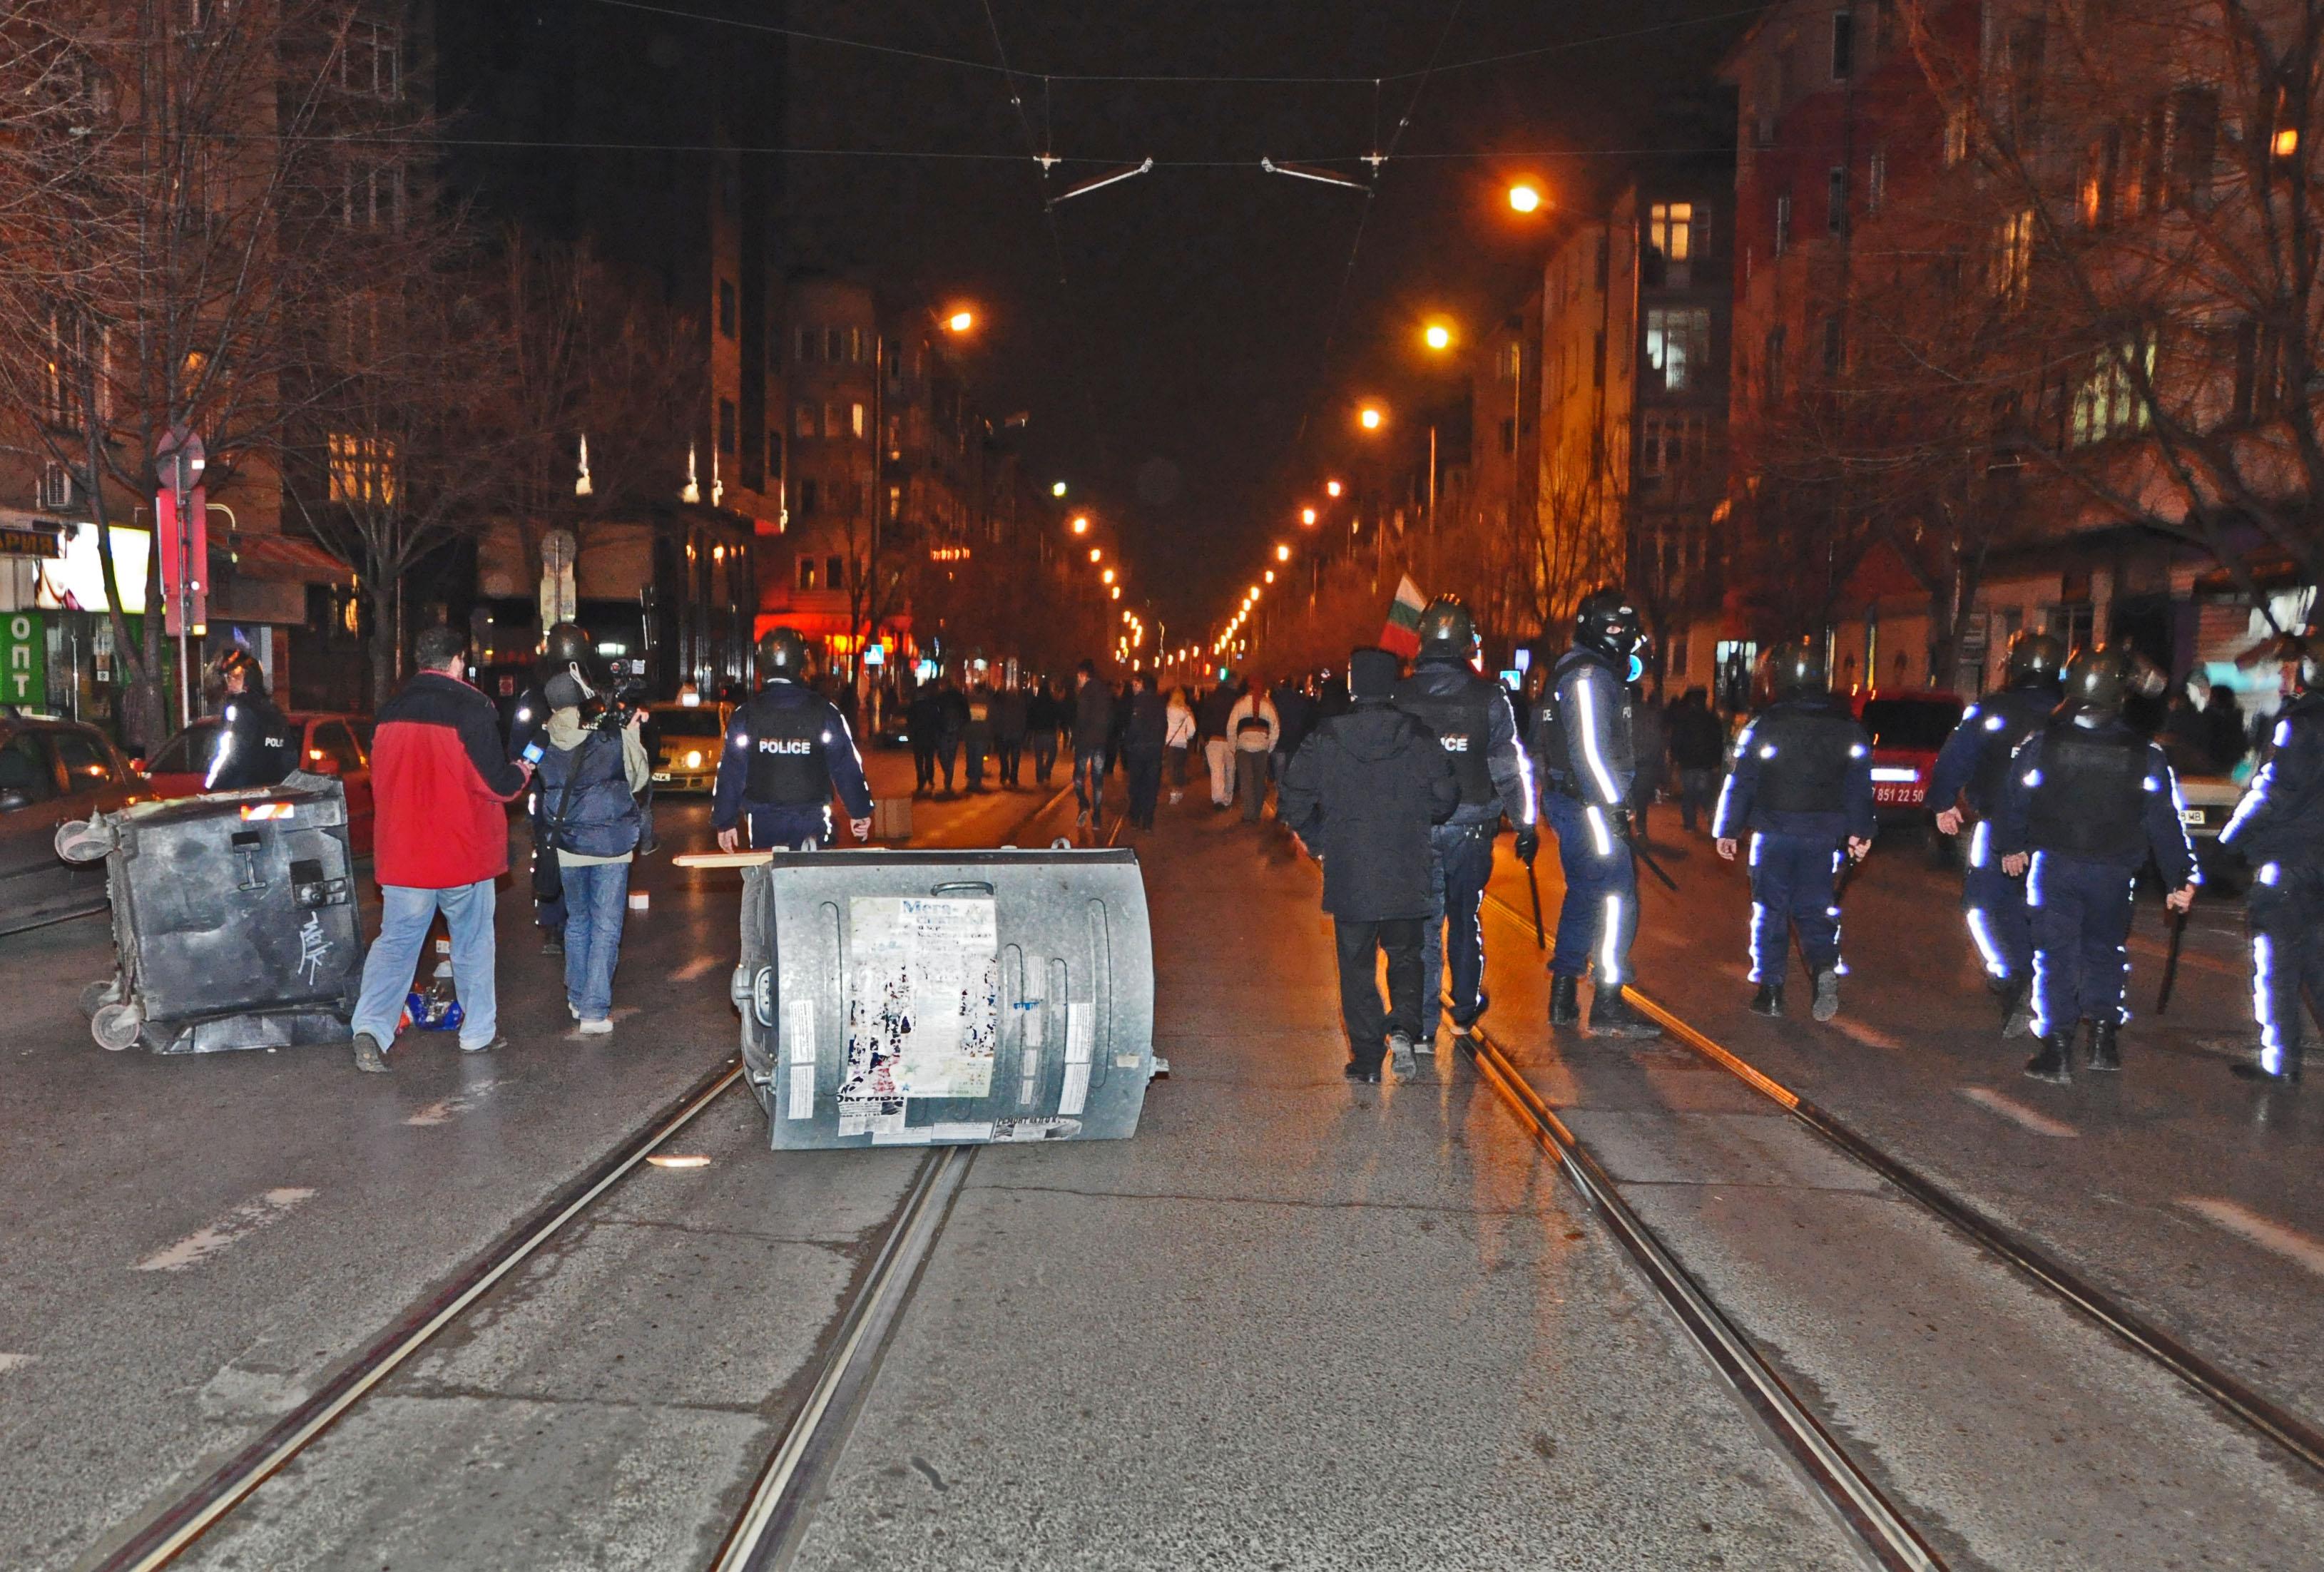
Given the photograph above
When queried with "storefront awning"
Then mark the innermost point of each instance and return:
(282, 559)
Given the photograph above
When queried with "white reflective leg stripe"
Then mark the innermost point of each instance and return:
(1758, 914)
(1590, 740)
(1525, 774)
(1610, 965)
(1993, 964)
(2034, 882)
(2271, 1036)
(2041, 995)
(1980, 838)
(1599, 831)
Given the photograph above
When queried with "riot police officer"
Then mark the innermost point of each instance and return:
(786, 750)
(566, 651)
(256, 746)
(2279, 826)
(1975, 761)
(1472, 720)
(1801, 787)
(2086, 800)
(1581, 756)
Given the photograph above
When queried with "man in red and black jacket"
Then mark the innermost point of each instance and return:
(439, 783)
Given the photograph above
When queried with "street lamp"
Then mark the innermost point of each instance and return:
(1525, 197)
(1057, 489)
(1308, 517)
(1097, 553)
(1282, 554)
(1270, 575)
(1081, 521)
(1371, 417)
(960, 321)
(1437, 337)
(1106, 577)
(1332, 487)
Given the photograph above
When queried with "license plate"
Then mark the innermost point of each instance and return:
(661, 775)
(2191, 816)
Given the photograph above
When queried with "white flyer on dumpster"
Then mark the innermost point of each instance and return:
(923, 1012)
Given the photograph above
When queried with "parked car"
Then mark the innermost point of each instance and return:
(687, 741)
(51, 772)
(1908, 729)
(328, 744)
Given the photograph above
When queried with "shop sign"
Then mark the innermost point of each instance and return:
(23, 659)
(16, 542)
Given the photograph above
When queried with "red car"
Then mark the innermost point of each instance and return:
(331, 745)
(1907, 730)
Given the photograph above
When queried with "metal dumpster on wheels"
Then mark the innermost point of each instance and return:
(946, 998)
(234, 919)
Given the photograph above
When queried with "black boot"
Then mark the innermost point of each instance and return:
(1768, 1000)
(2250, 1070)
(2104, 1055)
(2055, 1063)
(2016, 1007)
(1565, 1001)
(1827, 994)
(1611, 1016)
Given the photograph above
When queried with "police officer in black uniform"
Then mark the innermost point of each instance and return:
(1472, 720)
(567, 651)
(2279, 826)
(1582, 756)
(786, 750)
(256, 745)
(2086, 802)
(1975, 762)
(1802, 789)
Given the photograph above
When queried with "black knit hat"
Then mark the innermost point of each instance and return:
(1372, 674)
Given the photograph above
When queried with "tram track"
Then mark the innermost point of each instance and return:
(790, 1477)
(2296, 1436)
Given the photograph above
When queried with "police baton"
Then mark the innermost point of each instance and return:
(1532, 888)
(1854, 866)
(1638, 850)
(2170, 960)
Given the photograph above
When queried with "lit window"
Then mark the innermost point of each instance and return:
(1670, 230)
(1678, 344)
(362, 469)
(855, 418)
(2012, 259)
(2107, 400)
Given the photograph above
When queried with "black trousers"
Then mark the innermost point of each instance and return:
(1010, 751)
(948, 752)
(924, 765)
(1145, 771)
(1359, 1001)
(1045, 754)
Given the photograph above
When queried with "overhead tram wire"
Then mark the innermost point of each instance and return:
(1192, 79)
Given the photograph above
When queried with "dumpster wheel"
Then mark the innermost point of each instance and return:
(98, 995)
(85, 840)
(117, 1026)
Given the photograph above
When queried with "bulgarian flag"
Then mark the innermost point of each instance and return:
(1402, 634)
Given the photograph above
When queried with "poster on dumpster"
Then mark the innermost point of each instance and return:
(923, 1013)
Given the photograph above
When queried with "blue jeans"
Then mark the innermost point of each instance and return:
(1599, 917)
(1462, 862)
(405, 916)
(1792, 878)
(1995, 904)
(596, 902)
(1089, 783)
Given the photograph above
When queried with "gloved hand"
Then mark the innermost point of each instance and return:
(1528, 844)
(1623, 828)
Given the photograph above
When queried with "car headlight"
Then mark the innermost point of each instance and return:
(694, 759)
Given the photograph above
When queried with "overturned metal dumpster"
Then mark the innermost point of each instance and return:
(234, 919)
(946, 998)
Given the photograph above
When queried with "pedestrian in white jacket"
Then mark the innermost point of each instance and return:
(1254, 726)
(1177, 741)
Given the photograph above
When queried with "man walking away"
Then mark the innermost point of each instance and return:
(1218, 751)
(1294, 714)
(1177, 739)
(2280, 827)
(2088, 800)
(1974, 764)
(1042, 718)
(1141, 751)
(925, 719)
(1802, 785)
(589, 782)
(254, 744)
(1361, 794)
(1010, 723)
(1092, 724)
(1254, 726)
(952, 722)
(1650, 741)
(1471, 721)
(439, 839)
(787, 751)
(976, 736)
(1581, 757)
(1698, 747)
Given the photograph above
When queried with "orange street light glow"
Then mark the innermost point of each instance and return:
(1283, 554)
(1081, 521)
(1332, 487)
(1369, 417)
(1057, 489)
(1525, 197)
(1107, 575)
(1307, 516)
(961, 321)
(1270, 575)
(1116, 590)
(1097, 553)
(1437, 337)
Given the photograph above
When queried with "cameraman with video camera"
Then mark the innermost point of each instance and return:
(591, 772)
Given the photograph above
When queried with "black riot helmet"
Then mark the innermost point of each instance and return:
(1607, 622)
(2099, 680)
(782, 653)
(1795, 669)
(254, 675)
(568, 648)
(1447, 631)
(2034, 658)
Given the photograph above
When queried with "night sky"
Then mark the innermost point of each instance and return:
(1171, 374)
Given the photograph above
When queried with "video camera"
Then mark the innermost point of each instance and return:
(625, 696)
